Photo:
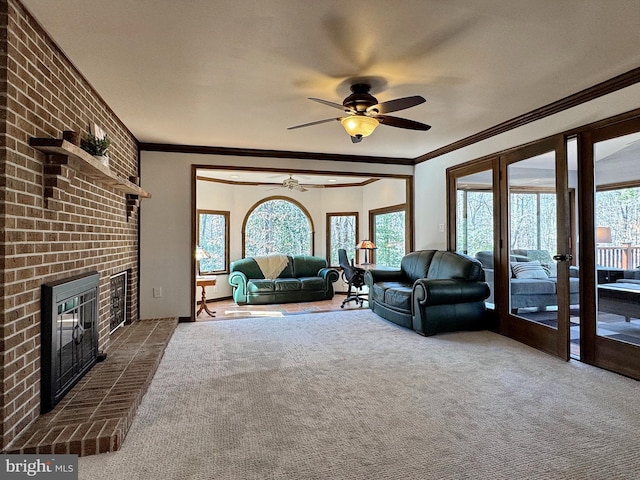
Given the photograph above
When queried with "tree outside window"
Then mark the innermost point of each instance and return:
(278, 226)
(533, 221)
(342, 230)
(474, 217)
(389, 233)
(213, 238)
(619, 209)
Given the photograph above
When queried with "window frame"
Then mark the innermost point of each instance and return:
(403, 207)
(227, 217)
(272, 198)
(328, 231)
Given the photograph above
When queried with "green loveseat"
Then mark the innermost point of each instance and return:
(433, 291)
(305, 279)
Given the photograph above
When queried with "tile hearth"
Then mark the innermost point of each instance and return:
(95, 416)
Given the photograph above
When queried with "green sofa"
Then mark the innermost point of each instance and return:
(305, 279)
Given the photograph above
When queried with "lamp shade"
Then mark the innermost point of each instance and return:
(603, 235)
(359, 125)
(366, 245)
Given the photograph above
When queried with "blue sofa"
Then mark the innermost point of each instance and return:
(536, 293)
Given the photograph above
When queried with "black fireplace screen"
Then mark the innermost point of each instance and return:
(69, 334)
(118, 300)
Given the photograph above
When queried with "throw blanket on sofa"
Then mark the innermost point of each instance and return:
(272, 265)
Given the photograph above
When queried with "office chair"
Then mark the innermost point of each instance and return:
(354, 276)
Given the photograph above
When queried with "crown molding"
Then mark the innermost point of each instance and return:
(251, 152)
(608, 86)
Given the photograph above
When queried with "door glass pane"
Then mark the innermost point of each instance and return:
(617, 220)
(532, 238)
(474, 222)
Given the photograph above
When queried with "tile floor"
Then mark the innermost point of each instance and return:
(228, 309)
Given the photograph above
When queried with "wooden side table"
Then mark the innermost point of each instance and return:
(205, 281)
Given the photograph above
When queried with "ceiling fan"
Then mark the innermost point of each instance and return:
(293, 184)
(364, 113)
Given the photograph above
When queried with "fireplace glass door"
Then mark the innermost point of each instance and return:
(69, 335)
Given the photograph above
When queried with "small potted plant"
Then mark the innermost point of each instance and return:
(98, 147)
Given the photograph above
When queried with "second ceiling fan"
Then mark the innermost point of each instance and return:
(364, 113)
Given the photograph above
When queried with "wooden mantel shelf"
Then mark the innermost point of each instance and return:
(83, 162)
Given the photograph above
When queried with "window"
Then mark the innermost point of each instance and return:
(533, 220)
(213, 238)
(474, 218)
(617, 210)
(342, 232)
(278, 225)
(388, 233)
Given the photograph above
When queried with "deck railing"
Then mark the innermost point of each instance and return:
(625, 256)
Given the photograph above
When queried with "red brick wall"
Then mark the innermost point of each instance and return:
(87, 228)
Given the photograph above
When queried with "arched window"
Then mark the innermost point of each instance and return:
(277, 225)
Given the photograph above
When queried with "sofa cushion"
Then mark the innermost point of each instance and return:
(377, 292)
(399, 297)
(532, 286)
(311, 283)
(452, 265)
(543, 256)
(307, 266)
(394, 294)
(528, 270)
(260, 286)
(248, 266)
(415, 265)
(574, 285)
(286, 284)
(486, 258)
(288, 270)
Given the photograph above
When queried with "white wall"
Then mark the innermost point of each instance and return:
(166, 224)
(166, 217)
(430, 176)
(238, 199)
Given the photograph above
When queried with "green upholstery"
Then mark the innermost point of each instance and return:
(305, 278)
(433, 291)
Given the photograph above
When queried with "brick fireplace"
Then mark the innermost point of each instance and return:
(69, 335)
(58, 221)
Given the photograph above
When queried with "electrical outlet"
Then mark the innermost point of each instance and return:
(441, 227)
(157, 292)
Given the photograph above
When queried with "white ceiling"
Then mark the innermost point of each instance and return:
(237, 73)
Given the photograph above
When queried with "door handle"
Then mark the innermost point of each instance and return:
(564, 257)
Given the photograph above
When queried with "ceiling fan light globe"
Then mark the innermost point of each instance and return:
(359, 125)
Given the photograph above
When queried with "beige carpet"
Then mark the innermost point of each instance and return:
(347, 395)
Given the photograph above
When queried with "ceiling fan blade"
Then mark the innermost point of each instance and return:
(401, 123)
(313, 123)
(339, 106)
(397, 104)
